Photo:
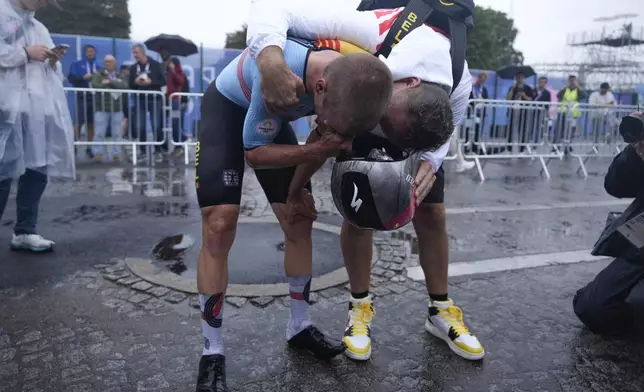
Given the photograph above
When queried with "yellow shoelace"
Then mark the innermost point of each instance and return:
(361, 316)
(454, 317)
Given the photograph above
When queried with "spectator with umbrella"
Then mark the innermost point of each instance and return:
(168, 46)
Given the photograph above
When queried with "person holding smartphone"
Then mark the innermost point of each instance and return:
(36, 126)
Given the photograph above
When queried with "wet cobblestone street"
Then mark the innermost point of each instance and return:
(81, 320)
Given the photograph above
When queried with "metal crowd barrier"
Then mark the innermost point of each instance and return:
(543, 131)
(595, 132)
(180, 123)
(128, 116)
(184, 109)
(492, 129)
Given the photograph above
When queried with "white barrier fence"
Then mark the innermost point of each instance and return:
(127, 115)
(492, 129)
(504, 130)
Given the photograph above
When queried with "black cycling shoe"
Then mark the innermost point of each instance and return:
(212, 374)
(313, 340)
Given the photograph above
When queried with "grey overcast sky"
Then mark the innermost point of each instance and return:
(543, 25)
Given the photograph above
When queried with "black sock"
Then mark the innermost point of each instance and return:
(360, 295)
(438, 297)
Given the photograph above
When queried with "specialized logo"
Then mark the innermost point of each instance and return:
(355, 202)
(267, 127)
(230, 178)
(212, 310)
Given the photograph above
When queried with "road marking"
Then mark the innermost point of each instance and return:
(538, 207)
(510, 263)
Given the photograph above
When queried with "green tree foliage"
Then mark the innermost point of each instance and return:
(106, 18)
(237, 39)
(490, 45)
(491, 42)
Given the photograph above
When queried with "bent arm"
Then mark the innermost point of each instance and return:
(510, 94)
(178, 77)
(131, 81)
(260, 131)
(262, 153)
(75, 76)
(97, 80)
(460, 101)
(119, 84)
(271, 20)
(158, 78)
(12, 56)
(281, 155)
(625, 175)
(560, 94)
(304, 172)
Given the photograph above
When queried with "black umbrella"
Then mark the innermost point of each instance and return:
(175, 44)
(511, 71)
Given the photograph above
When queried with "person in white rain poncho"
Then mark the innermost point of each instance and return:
(36, 132)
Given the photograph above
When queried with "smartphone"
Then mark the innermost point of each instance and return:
(61, 47)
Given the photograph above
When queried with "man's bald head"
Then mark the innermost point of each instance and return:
(110, 63)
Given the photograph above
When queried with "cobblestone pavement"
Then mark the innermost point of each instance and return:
(77, 320)
(88, 334)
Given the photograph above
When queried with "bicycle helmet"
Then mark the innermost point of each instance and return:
(376, 192)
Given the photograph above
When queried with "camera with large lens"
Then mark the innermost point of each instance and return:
(632, 128)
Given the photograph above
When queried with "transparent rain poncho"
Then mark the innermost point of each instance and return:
(36, 130)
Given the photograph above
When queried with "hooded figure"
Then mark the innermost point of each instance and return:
(36, 133)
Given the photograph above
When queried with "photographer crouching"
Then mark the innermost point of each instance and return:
(613, 303)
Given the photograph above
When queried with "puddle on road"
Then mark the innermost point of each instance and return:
(170, 252)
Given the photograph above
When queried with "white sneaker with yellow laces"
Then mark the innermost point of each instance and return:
(357, 334)
(445, 321)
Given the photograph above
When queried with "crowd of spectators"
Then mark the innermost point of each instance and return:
(113, 116)
(526, 122)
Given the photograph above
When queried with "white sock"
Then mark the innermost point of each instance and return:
(212, 310)
(299, 289)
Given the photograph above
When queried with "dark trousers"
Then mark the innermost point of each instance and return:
(613, 302)
(518, 119)
(31, 186)
(154, 106)
(177, 123)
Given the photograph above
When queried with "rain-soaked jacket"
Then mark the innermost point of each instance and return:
(625, 179)
(36, 130)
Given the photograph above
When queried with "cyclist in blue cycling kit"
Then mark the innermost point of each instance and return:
(349, 94)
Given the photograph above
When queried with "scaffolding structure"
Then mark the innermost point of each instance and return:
(614, 55)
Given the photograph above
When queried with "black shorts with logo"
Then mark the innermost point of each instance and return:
(364, 143)
(220, 161)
